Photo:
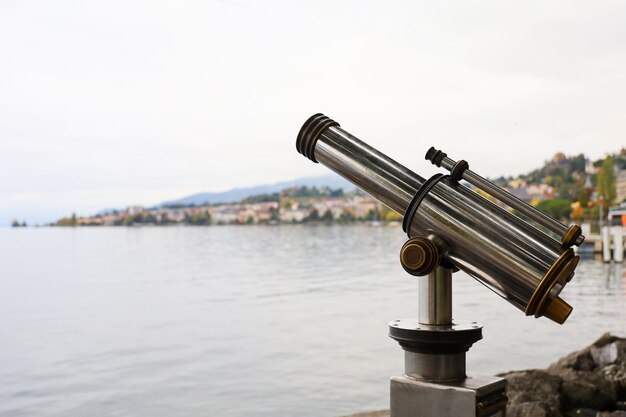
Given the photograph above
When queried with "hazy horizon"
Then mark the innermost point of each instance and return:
(179, 197)
(137, 102)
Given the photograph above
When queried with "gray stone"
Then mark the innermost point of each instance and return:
(529, 409)
(604, 355)
(616, 369)
(587, 389)
(578, 361)
(533, 391)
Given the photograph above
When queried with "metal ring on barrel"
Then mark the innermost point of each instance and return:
(417, 199)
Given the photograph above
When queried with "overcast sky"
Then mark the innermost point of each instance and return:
(106, 104)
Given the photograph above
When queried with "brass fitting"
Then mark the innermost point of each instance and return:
(419, 256)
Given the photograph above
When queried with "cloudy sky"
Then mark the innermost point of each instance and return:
(106, 104)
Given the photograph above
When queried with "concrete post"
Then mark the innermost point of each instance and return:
(606, 244)
(618, 244)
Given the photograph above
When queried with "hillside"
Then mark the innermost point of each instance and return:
(568, 175)
(332, 181)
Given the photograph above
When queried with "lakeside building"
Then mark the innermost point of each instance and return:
(528, 192)
(225, 214)
(134, 210)
(91, 221)
(243, 213)
(620, 185)
(293, 215)
(266, 211)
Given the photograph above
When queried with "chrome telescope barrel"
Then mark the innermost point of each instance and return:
(570, 235)
(377, 174)
(511, 257)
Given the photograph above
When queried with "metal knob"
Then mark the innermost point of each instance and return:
(419, 256)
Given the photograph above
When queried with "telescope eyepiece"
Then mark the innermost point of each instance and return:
(435, 156)
(310, 132)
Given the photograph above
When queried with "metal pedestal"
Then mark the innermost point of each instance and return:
(471, 397)
(434, 383)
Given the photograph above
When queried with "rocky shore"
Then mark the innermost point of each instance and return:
(590, 382)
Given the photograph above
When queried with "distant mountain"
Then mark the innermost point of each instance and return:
(237, 194)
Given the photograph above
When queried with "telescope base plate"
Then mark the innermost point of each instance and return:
(453, 338)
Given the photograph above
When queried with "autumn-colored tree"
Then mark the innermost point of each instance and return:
(577, 212)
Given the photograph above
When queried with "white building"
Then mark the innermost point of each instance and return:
(224, 214)
(293, 215)
(133, 210)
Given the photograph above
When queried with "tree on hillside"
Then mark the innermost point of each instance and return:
(274, 214)
(559, 208)
(261, 198)
(346, 216)
(200, 219)
(392, 216)
(620, 159)
(313, 216)
(583, 198)
(606, 181)
(578, 163)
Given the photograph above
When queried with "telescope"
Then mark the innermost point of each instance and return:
(525, 257)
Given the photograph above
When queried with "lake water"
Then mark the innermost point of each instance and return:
(242, 321)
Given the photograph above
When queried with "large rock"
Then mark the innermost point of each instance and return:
(590, 382)
(587, 389)
(533, 393)
(593, 377)
(604, 351)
